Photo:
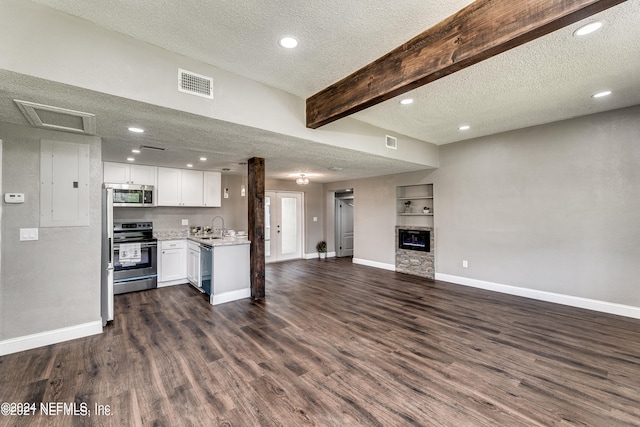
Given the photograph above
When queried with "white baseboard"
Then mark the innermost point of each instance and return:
(27, 342)
(572, 301)
(314, 255)
(173, 283)
(230, 296)
(390, 267)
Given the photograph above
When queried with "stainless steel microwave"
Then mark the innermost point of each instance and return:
(132, 195)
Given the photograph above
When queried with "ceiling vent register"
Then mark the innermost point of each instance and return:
(391, 142)
(195, 84)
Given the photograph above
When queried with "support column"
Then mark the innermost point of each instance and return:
(256, 226)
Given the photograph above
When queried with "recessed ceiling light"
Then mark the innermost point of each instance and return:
(189, 165)
(203, 159)
(601, 94)
(130, 159)
(288, 42)
(135, 150)
(406, 101)
(588, 29)
(136, 130)
(464, 127)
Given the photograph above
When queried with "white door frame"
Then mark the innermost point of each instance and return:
(275, 243)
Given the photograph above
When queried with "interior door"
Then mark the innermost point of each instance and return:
(283, 226)
(344, 228)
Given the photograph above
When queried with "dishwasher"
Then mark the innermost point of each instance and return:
(206, 268)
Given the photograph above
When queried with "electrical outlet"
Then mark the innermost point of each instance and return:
(315, 219)
(185, 222)
(465, 263)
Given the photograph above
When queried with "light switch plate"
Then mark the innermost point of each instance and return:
(28, 234)
(185, 222)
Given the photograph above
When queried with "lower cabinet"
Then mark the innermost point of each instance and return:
(193, 264)
(172, 263)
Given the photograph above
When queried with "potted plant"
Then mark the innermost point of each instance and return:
(321, 247)
(407, 206)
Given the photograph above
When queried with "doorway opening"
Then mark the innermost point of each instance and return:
(344, 206)
(283, 237)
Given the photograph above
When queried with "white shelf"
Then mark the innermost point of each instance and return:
(415, 197)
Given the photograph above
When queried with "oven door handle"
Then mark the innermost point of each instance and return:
(116, 247)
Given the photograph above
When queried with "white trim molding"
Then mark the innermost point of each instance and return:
(230, 296)
(28, 342)
(376, 264)
(314, 255)
(572, 301)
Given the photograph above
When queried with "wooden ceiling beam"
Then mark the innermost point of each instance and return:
(483, 29)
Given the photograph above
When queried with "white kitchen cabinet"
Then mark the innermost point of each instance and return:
(193, 264)
(179, 187)
(172, 262)
(191, 188)
(124, 173)
(212, 189)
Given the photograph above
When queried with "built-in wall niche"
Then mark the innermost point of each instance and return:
(414, 205)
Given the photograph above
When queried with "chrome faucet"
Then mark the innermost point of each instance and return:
(221, 228)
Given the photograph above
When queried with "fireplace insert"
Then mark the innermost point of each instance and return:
(414, 240)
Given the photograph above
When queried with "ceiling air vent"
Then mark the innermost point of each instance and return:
(151, 147)
(391, 142)
(56, 118)
(195, 84)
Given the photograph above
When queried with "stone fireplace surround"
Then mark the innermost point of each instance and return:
(416, 263)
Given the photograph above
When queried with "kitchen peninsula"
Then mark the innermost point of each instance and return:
(216, 266)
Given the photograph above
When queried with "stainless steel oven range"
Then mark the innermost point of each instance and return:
(134, 257)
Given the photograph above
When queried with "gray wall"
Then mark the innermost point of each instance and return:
(551, 208)
(53, 282)
(374, 214)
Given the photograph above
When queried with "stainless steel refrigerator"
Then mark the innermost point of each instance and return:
(107, 256)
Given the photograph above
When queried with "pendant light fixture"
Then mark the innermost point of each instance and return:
(225, 193)
(243, 191)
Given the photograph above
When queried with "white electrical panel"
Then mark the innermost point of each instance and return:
(14, 197)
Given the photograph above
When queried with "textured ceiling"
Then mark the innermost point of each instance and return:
(186, 137)
(549, 79)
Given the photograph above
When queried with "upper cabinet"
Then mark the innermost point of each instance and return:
(173, 187)
(124, 173)
(183, 187)
(212, 189)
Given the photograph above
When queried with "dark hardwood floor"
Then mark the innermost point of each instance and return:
(337, 344)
